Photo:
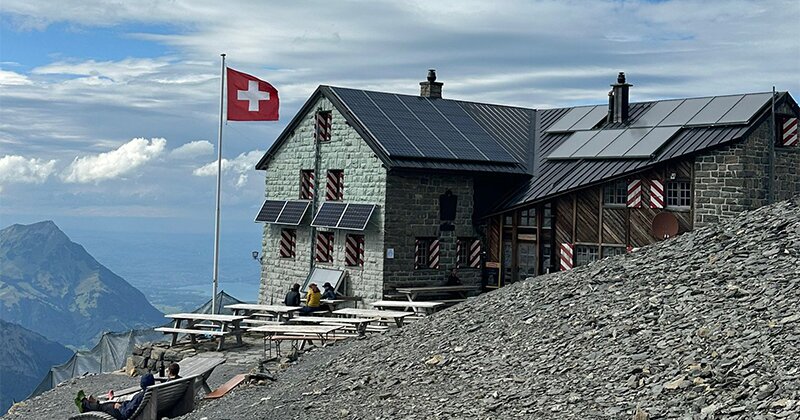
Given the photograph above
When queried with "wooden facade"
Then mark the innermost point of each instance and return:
(525, 242)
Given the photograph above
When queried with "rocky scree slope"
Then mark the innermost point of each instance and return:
(705, 325)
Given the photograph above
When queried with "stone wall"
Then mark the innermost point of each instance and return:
(734, 178)
(412, 206)
(364, 182)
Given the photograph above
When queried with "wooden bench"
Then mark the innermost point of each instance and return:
(198, 366)
(169, 399)
(193, 333)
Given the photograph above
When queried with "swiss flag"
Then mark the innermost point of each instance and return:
(250, 98)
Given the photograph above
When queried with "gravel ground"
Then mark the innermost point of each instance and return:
(703, 326)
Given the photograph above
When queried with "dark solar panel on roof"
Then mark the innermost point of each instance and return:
(685, 111)
(270, 211)
(592, 147)
(569, 119)
(356, 216)
(329, 214)
(571, 144)
(651, 142)
(656, 113)
(715, 109)
(293, 212)
(745, 109)
(588, 122)
(623, 143)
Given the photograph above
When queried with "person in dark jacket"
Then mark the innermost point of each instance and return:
(452, 279)
(328, 292)
(119, 410)
(293, 297)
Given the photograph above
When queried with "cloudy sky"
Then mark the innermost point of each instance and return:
(109, 108)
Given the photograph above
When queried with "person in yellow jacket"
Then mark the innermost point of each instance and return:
(313, 297)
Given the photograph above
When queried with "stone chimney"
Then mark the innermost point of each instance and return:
(621, 99)
(431, 88)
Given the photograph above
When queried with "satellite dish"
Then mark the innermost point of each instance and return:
(665, 225)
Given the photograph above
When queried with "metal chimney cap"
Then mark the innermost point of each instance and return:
(431, 75)
(621, 77)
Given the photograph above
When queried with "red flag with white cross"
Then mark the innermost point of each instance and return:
(250, 98)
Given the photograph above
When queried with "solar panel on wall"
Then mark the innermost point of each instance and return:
(651, 142)
(293, 212)
(329, 214)
(270, 211)
(356, 216)
(715, 109)
(685, 111)
(745, 109)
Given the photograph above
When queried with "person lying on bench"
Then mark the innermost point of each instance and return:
(120, 411)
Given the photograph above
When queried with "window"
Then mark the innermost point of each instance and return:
(426, 253)
(335, 185)
(306, 184)
(584, 254)
(354, 251)
(508, 220)
(610, 251)
(324, 252)
(323, 125)
(547, 217)
(527, 218)
(788, 129)
(615, 193)
(679, 194)
(288, 243)
(468, 253)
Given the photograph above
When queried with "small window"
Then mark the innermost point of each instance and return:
(610, 251)
(468, 253)
(615, 193)
(679, 194)
(306, 184)
(323, 126)
(527, 218)
(288, 243)
(426, 253)
(335, 185)
(324, 251)
(354, 251)
(547, 217)
(584, 254)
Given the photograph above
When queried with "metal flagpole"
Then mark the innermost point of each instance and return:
(214, 307)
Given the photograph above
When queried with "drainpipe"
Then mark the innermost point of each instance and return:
(771, 165)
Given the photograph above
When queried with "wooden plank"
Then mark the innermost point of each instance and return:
(614, 226)
(588, 218)
(226, 387)
(206, 317)
(190, 331)
(302, 329)
(372, 313)
(406, 304)
(641, 226)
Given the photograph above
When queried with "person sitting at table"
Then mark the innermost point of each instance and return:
(293, 297)
(328, 293)
(452, 279)
(313, 297)
(173, 371)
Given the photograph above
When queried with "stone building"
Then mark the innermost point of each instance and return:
(394, 190)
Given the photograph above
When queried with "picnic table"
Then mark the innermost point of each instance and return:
(412, 293)
(214, 325)
(422, 308)
(253, 309)
(360, 324)
(397, 316)
(303, 333)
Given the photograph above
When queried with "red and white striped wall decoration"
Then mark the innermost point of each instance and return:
(324, 247)
(335, 185)
(288, 243)
(306, 184)
(635, 193)
(566, 256)
(354, 251)
(433, 254)
(474, 254)
(468, 253)
(323, 125)
(789, 132)
(656, 194)
(417, 257)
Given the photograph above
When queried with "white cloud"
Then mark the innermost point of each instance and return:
(10, 78)
(18, 169)
(241, 167)
(109, 165)
(192, 149)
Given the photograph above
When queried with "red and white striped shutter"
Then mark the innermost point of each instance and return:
(416, 254)
(307, 185)
(635, 193)
(340, 185)
(566, 256)
(324, 247)
(433, 254)
(789, 132)
(354, 251)
(287, 243)
(656, 194)
(459, 263)
(323, 126)
(333, 190)
(475, 254)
